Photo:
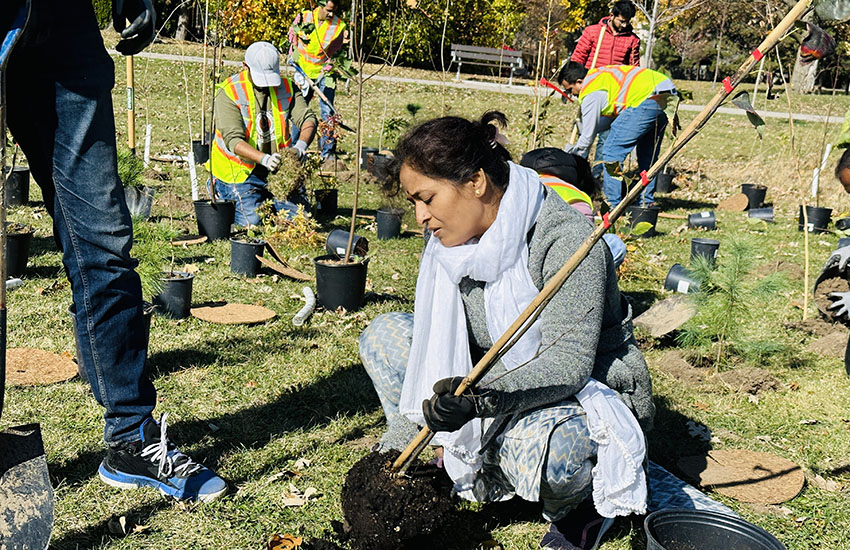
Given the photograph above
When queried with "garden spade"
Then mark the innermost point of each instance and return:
(300, 77)
(26, 497)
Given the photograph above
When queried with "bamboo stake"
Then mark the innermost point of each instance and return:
(527, 317)
(204, 75)
(357, 26)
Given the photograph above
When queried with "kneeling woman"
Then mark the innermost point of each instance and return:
(544, 416)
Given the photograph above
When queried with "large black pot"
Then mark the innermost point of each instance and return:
(755, 194)
(647, 214)
(365, 152)
(338, 241)
(243, 256)
(664, 182)
(215, 218)
(707, 248)
(817, 217)
(340, 284)
(17, 186)
(704, 530)
(679, 279)
(327, 202)
(389, 222)
(18, 240)
(175, 299)
(139, 200)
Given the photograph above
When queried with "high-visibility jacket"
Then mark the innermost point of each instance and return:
(323, 42)
(567, 191)
(627, 86)
(224, 164)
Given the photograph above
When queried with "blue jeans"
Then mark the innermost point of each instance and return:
(327, 145)
(597, 166)
(253, 192)
(640, 127)
(64, 125)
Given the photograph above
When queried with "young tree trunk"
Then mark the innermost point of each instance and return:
(647, 55)
(803, 76)
(182, 24)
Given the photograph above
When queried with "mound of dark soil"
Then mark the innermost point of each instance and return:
(389, 512)
(749, 380)
(319, 544)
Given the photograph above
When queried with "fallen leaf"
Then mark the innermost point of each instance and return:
(284, 542)
(825, 484)
(702, 406)
(396, 276)
(52, 287)
(302, 464)
(251, 384)
(808, 422)
(753, 398)
(191, 268)
(793, 386)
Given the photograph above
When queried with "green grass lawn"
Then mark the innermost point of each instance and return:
(250, 402)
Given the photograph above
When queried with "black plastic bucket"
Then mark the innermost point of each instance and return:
(704, 530)
(842, 242)
(389, 222)
(243, 256)
(707, 248)
(702, 220)
(139, 200)
(681, 280)
(818, 218)
(364, 155)
(215, 218)
(147, 311)
(644, 214)
(327, 202)
(338, 241)
(765, 213)
(755, 194)
(17, 186)
(379, 166)
(843, 224)
(340, 284)
(664, 182)
(175, 299)
(18, 252)
(201, 151)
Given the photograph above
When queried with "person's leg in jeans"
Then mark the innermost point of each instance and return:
(596, 169)
(627, 131)
(248, 196)
(327, 145)
(649, 145)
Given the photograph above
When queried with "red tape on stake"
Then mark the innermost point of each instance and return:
(643, 179)
(757, 55)
(605, 221)
(727, 85)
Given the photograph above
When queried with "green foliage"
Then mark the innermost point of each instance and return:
(152, 248)
(395, 126)
(130, 168)
(729, 301)
(103, 12)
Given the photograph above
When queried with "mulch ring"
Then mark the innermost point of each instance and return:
(232, 314)
(734, 203)
(31, 367)
(744, 380)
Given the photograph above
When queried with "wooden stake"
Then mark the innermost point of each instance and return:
(529, 315)
(204, 75)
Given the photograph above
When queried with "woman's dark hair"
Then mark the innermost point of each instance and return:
(556, 162)
(843, 162)
(624, 8)
(572, 72)
(454, 149)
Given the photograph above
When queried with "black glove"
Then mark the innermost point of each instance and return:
(142, 19)
(446, 412)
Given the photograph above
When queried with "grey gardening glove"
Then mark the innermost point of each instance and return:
(272, 162)
(841, 306)
(142, 29)
(839, 258)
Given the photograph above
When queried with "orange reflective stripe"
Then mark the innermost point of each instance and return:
(626, 86)
(219, 143)
(567, 191)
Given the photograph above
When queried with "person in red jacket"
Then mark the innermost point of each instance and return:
(619, 46)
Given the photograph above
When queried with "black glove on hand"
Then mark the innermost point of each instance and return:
(142, 19)
(446, 412)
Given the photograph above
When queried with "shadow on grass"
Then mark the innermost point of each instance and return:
(669, 440)
(669, 203)
(98, 535)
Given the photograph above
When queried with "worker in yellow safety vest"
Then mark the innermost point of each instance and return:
(631, 102)
(258, 114)
(315, 37)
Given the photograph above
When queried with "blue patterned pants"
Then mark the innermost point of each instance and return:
(543, 455)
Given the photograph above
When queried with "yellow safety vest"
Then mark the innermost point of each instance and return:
(567, 191)
(224, 164)
(627, 86)
(313, 54)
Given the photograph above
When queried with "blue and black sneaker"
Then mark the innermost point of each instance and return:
(155, 462)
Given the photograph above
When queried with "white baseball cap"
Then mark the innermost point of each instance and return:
(263, 61)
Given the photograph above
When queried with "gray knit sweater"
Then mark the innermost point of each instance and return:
(586, 329)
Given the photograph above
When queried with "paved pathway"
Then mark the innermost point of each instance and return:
(505, 89)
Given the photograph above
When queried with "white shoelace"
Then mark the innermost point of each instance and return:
(159, 452)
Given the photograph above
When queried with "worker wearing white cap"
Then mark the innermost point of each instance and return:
(257, 114)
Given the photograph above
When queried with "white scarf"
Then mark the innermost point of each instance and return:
(440, 347)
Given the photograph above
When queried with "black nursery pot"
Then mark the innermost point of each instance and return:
(175, 299)
(664, 182)
(200, 150)
(706, 248)
(17, 250)
(364, 155)
(389, 222)
(843, 224)
(818, 218)
(703, 220)
(139, 200)
(338, 241)
(327, 202)
(379, 166)
(644, 214)
(755, 194)
(340, 284)
(765, 213)
(842, 242)
(17, 186)
(243, 256)
(147, 311)
(703, 530)
(681, 280)
(215, 218)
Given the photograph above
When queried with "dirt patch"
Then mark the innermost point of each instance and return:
(233, 314)
(736, 203)
(831, 345)
(673, 364)
(386, 512)
(748, 380)
(791, 270)
(816, 327)
(833, 284)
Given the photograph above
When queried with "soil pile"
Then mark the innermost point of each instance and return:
(389, 512)
(822, 291)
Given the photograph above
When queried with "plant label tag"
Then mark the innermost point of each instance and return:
(705, 214)
(715, 252)
(811, 227)
(683, 286)
(340, 251)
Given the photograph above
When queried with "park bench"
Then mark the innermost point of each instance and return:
(491, 57)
